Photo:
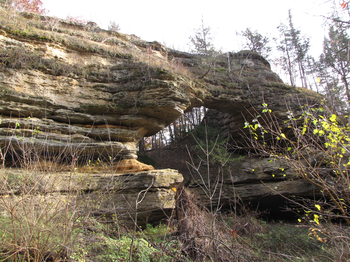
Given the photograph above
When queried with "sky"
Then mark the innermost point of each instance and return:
(172, 22)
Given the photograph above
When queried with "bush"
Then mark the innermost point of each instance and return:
(316, 144)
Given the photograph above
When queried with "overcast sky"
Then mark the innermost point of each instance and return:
(172, 22)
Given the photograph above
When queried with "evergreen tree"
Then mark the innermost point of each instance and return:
(202, 44)
(334, 61)
(294, 46)
(202, 41)
(285, 60)
(256, 42)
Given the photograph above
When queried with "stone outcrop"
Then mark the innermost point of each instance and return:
(264, 183)
(99, 192)
(73, 92)
(101, 91)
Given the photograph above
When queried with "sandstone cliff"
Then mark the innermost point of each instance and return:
(103, 91)
(73, 92)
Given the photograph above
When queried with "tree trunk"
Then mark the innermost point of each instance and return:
(290, 70)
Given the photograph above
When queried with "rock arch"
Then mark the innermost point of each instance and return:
(87, 98)
(110, 117)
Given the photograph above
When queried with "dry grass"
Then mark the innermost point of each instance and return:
(204, 235)
(86, 38)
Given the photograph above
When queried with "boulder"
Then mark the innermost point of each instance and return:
(149, 194)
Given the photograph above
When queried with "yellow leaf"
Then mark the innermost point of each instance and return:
(318, 80)
(174, 189)
(316, 219)
(318, 207)
(333, 118)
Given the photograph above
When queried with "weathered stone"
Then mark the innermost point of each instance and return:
(105, 193)
(83, 93)
(105, 96)
(263, 181)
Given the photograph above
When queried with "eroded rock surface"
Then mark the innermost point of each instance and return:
(74, 92)
(100, 193)
(265, 183)
(100, 92)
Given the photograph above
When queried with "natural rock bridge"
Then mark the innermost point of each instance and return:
(84, 93)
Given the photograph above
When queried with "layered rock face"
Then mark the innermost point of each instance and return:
(150, 194)
(101, 92)
(246, 181)
(77, 92)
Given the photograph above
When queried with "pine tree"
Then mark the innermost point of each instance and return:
(286, 59)
(256, 42)
(202, 44)
(334, 61)
(202, 41)
(294, 46)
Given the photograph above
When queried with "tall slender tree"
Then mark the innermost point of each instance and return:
(334, 61)
(202, 40)
(286, 60)
(294, 47)
(202, 44)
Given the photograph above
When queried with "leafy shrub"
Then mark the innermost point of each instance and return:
(316, 144)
